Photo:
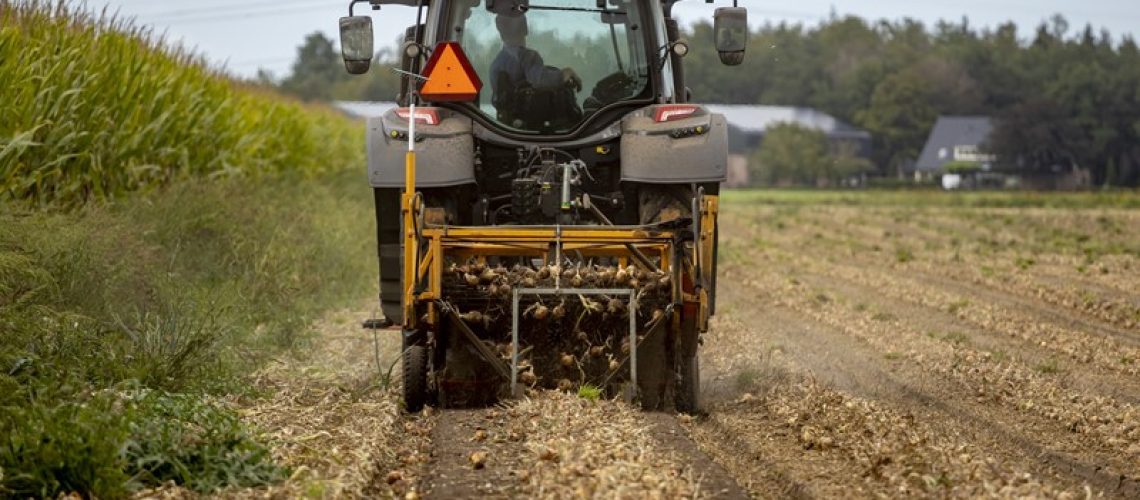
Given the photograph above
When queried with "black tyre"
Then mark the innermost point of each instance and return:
(415, 378)
(689, 385)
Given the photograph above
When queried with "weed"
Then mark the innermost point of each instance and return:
(903, 255)
(181, 291)
(860, 306)
(893, 355)
(956, 338)
(957, 305)
(883, 316)
(999, 356)
(223, 452)
(1048, 367)
(1024, 263)
(589, 392)
(747, 379)
(72, 446)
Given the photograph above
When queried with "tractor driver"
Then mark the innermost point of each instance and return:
(517, 67)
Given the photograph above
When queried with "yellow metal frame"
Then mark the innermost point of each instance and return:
(425, 248)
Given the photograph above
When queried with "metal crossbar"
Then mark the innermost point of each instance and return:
(517, 292)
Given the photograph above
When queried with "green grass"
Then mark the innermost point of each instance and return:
(933, 198)
(589, 392)
(177, 294)
(122, 318)
(95, 106)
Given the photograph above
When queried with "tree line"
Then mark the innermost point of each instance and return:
(1061, 99)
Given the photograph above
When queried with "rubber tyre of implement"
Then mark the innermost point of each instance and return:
(688, 398)
(415, 378)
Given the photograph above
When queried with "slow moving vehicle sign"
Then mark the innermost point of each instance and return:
(450, 76)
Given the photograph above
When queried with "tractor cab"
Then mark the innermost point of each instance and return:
(551, 68)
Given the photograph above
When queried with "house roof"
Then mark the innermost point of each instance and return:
(949, 132)
(755, 119)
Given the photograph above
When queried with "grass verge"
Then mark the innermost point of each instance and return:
(936, 198)
(120, 321)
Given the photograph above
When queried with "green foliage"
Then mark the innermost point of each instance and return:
(51, 449)
(95, 106)
(903, 255)
(200, 445)
(1065, 99)
(791, 199)
(795, 155)
(113, 442)
(317, 70)
(183, 290)
(589, 392)
(961, 167)
(791, 154)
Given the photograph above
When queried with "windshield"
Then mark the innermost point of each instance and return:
(548, 66)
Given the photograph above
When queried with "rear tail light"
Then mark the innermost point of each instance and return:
(670, 112)
(424, 116)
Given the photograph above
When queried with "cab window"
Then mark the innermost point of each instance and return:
(547, 65)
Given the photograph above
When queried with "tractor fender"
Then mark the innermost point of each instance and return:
(443, 151)
(692, 149)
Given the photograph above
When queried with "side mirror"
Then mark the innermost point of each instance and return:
(356, 43)
(730, 31)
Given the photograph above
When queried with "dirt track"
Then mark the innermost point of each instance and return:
(857, 351)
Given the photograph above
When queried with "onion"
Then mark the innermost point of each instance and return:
(615, 306)
(487, 276)
(472, 317)
(540, 311)
(621, 277)
(567, 360)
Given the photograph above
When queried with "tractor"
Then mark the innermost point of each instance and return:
(546, 198)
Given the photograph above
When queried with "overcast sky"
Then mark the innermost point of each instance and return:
(265, 33)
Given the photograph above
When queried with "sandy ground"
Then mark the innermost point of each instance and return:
(857, 352)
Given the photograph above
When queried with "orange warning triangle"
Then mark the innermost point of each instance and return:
(450, 76)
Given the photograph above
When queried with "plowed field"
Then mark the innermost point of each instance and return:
(860, 349)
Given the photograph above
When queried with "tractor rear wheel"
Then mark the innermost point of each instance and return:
(415, 378)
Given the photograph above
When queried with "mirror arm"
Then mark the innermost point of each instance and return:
(352, 4)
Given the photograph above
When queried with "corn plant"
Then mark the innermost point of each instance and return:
(95, 106)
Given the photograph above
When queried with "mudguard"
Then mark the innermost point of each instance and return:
(692, 149)
(444, 152)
